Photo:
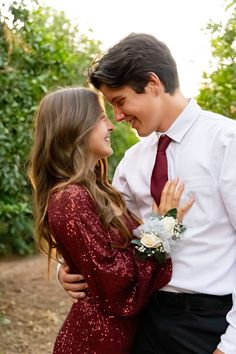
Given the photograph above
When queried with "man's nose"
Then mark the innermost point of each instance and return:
(118, 114)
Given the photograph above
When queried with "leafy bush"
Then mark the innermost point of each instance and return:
(218, 91)
(40, 49)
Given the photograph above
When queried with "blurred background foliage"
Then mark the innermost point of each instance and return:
(218, 90)
(41, 49)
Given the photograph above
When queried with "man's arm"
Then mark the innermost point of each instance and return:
(73, 284)
(120, 183)
(227, 184)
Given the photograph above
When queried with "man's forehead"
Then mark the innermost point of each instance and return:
(112, 94)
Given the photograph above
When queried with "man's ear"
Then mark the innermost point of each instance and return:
(154, 84)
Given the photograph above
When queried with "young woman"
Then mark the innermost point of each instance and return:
(85, 219)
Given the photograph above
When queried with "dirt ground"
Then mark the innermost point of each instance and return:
(32, 308)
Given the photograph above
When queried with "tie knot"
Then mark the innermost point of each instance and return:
(163, 143)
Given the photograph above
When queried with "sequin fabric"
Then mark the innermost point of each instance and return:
(119, 284)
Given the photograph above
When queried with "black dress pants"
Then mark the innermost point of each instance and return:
(182, 324)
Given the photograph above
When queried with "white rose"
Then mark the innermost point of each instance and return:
(169, 223)
(151, 241)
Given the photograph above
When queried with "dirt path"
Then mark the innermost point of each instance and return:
(32, 308)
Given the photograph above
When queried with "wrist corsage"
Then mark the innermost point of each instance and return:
(156, 235)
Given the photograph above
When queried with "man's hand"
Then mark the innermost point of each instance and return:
(73, 284)
(218, 351)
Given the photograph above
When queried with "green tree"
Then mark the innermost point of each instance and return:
(40, 49)
(218, 91)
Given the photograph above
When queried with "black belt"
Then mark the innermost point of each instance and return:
(193, 301)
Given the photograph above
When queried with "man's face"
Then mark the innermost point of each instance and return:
(141, 110)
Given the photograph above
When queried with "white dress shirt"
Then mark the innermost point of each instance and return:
(203, 155)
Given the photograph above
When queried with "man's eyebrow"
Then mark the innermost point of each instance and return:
(116, 98)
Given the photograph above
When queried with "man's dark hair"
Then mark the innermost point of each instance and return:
(131, 61)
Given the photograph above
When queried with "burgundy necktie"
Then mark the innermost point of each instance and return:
(160, 170)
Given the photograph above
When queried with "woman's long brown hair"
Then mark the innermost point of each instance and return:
(59, 157)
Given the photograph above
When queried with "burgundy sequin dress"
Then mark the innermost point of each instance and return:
(119, 284)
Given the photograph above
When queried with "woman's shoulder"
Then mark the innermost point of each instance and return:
(73, 189)
(70, 195)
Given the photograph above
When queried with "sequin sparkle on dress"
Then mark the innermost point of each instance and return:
(119, 284)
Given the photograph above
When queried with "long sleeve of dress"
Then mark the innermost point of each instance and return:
(121, 283)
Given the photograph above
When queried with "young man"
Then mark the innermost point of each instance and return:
(196, 312)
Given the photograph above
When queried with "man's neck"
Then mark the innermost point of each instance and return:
(174, 106)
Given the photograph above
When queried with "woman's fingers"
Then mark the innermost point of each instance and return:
(163, 201)
(170, 199)
(167, 201)
(181, 211)
(177, 193)
(155, 208)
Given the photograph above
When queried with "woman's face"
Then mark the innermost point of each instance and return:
(99, 143)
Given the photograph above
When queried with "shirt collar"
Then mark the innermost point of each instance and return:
(182, 124)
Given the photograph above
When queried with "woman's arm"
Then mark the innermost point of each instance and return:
(75, 286)
(121, 281)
